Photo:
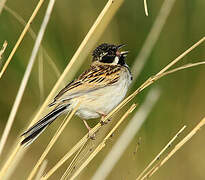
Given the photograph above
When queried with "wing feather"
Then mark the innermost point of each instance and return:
(97, 76)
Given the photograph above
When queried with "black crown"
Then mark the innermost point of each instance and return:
(104, 48)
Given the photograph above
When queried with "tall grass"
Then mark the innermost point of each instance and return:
(85, 149)
(127, 135)
(174, 150)
(160, 153)
(24, 80)
(139, 63)
(21, 37)
(28, 69)
(86, 45)
(147, 83)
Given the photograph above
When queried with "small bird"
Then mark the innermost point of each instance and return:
(99, 89)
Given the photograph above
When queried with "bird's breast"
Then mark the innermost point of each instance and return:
(105, 99)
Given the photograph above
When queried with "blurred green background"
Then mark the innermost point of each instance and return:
(182, 99)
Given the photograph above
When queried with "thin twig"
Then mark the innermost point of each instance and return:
(102, 144)
(21, 37)
(176, 148)
(78, 145)
(186, 66)
(161, 152)
(145, 7)
(3, 49)
(12, 166)
(53, 65)
(40, 74)
(2, 4)
(25, 79)
(20, 20)
(127, 135)
(183, 67)
(2, 52)
(33, 36)
(148, 82)
(72, 151)
(95, 152)
(87, 44)
(71, 164)
(41, 170)
(152, 37)
(151, 79)
(181, 56)
(52, 142)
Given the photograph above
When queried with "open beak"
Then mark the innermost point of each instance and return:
(124, 53)
(120, 46)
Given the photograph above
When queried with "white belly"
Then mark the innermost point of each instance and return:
(104, 100)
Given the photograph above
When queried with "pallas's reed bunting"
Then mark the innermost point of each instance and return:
(99, 89)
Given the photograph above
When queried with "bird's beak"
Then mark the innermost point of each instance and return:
(120, 46)
(124, 53)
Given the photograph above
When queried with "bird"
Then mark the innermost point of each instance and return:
(99, 90)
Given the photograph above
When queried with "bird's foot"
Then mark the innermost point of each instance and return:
(102, 122)
(91, 135)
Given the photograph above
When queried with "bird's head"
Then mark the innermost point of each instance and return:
(109, 53)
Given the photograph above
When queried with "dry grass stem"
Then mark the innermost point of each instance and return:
(12, 166)
(148, 82)
(183, 67)
(21, 37)
(161, 152)
(152, 38)
(41, 170)
(70, 167)
(40, 74)
(181, 56)
(33, 36)
(3, 49)
(186, 66)
(75, 148)
(2, 4)
(87, 44)
(25, 80)
(95, 152)
(20, 20)
(72, 151)
(78, 145)
(88, 148)
(176, 148)
(102, 144)
(53, 65)
(127, 135)
(52, 142)
(145, 7)
(2, 52)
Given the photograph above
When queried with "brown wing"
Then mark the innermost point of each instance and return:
(97, 76)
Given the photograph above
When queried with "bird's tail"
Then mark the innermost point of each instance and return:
(33, 132)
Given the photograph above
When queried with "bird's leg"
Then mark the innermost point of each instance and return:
(103, 116)
(89, 129)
